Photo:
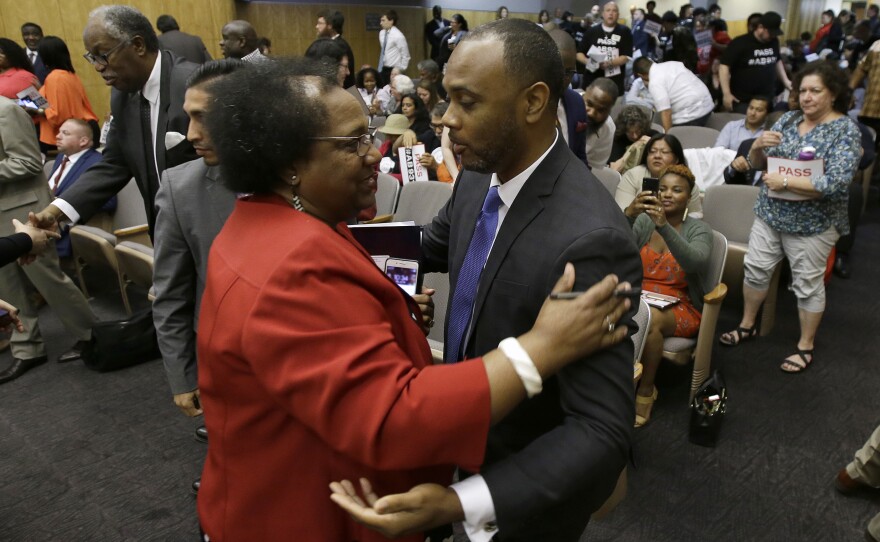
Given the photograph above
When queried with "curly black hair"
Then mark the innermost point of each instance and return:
(15, 55)
(255, 139)
(834, 78)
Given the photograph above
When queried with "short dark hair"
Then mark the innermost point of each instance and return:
(125, 22)
(755, 15)
(835, 79)
(714, 7)
(167, 23)
(669, 17)
(428, 65)
(766, 99)
(334, 18)
(874, 8)
(530, 54)
(359, 79)
(829, 12)
(15, 55)
(642, 65)
(670, 140)
(607, 86)
(213, 69)
(651, 3)
(499, 10)
(256, 139)
(440, 109)
(391, 15)
(32, 25)
(326, 48)
(55, 54)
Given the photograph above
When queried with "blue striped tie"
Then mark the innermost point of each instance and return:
(469, 276)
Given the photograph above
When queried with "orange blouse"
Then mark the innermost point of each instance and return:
(67, 100)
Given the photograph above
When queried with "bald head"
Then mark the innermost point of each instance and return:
(239, 39)
(568, 51)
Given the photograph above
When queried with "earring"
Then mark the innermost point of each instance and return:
(294, 199)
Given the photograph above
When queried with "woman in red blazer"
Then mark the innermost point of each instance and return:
(313, 365)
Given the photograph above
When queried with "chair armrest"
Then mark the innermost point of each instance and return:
(381, 219)
(717, 295)
(135, 234)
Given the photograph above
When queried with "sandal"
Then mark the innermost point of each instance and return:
(738, 335)
(649, 403)
(800, 363)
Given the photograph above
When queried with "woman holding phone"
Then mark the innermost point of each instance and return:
(312, 364)
(675, 252)
(661, 151)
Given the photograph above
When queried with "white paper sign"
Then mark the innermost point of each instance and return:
(703, 39)
(653, 28)
(410, 168)
(594, 57)
(793, 168)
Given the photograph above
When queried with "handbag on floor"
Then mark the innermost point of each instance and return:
(707, 411)
(122, 343)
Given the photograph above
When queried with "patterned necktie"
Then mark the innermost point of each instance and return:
(469, 276)
(60, 175)
(382, 52)
(147, 133)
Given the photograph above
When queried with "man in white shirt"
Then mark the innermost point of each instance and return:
(737, 131)
(394, 52)
(599, 98)
(679, 96)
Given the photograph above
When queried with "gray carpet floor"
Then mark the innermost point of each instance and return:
(105, 457)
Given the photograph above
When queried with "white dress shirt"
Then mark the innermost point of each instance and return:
(473, 492)
(675, 87)
(59, 175)
(151, 92)
(396, 50)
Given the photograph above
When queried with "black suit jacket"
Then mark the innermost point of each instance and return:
(352, 69)
(185, 46)
(433, 39)
(557, 456)
(126, 153)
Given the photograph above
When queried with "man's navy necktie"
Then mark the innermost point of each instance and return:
(469, 276)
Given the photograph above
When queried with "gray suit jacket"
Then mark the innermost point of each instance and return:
(185, 46)
(23, 185)
(192, 207)
(556, 457)
(125, 156)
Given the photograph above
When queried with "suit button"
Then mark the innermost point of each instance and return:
(491, 527)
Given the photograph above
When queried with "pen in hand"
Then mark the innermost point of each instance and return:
(632, 293)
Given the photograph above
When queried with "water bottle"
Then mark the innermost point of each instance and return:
(807, 153)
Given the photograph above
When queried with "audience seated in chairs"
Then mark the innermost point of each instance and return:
(740, 171)
(427, 92)
(675, 251)
(367, 82)
(599, 98)
(661, 151)
(633, 132)
(390, 94)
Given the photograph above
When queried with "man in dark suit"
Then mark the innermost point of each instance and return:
(147, 133)
(32, 34)
(330, 24)
(75, 156)
(437, 25)
(184, 45)
(557, 456)
(572, 113)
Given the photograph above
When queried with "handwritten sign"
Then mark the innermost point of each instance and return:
(653, 28)
(793, 168)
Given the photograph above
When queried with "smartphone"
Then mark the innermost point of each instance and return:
(5, 318)
(405, 273)
(651, 184)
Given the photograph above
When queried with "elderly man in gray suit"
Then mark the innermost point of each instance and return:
(23, 185)
(192, 207)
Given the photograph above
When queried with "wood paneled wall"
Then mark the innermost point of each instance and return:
(291, 27)
(67, 18)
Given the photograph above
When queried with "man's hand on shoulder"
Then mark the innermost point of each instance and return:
(423, 507)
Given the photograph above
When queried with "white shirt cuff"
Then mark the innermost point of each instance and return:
(67, 209)
(479, 510)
